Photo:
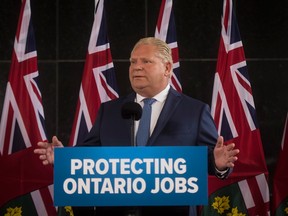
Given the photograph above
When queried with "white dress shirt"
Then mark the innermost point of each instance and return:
(156, 107)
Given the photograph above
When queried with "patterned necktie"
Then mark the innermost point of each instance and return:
(144, 125)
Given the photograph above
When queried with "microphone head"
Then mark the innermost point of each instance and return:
(131, 110)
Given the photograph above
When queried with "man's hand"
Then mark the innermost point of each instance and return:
(46, 150)
(225, 155)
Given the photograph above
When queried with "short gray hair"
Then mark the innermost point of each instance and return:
(164, 51)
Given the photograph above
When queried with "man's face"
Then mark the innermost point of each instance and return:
(148, 73)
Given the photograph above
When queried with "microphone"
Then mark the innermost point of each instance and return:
(132, 110)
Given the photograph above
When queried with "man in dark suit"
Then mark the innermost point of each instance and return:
(176, 119)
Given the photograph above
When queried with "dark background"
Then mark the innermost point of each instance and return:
(62, 30)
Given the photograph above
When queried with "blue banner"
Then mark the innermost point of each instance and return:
(130, 176)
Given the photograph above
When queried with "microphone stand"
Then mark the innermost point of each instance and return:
(133, 131)
(135, 211)
(133, 111)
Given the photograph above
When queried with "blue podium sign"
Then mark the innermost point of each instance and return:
(130, 176)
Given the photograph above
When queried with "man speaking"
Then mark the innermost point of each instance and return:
(169, 118)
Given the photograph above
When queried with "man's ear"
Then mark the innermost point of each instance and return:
(168, 69)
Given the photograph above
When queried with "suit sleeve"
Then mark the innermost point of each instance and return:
(208, 136)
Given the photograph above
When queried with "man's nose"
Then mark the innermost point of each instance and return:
(138, 66)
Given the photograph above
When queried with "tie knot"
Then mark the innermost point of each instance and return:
(149, 101)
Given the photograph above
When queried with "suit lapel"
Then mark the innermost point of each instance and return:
(170, 105)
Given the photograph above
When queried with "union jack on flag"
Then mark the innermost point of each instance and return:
(234, 113)
(99, 80)
(22, 125)
(166, 31)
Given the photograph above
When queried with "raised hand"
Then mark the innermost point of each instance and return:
(46, 150)
(225, 155)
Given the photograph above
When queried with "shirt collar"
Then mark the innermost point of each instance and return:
(161, 96)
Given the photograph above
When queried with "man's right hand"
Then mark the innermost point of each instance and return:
(46, 150)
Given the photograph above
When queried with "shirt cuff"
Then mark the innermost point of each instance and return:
(221, 173)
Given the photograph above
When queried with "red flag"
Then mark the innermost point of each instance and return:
(98, 81)
(246, 190)
(22, 126)
(280, 189)
(166, 31)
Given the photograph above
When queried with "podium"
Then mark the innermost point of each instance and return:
(131, 176)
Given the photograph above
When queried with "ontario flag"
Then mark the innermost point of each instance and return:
(166, 31)
(280, 179)
(246, 191)
(98, 81)
(25, 184)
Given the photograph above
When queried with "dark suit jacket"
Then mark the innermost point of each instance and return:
(183, 121)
